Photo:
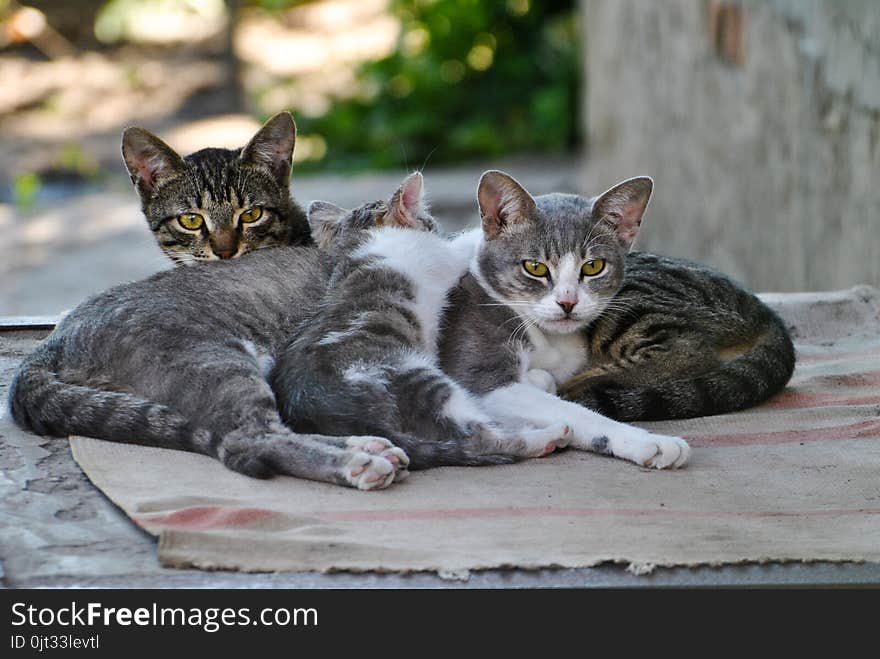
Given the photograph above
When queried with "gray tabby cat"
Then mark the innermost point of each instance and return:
(548, 271)
(178, 360)
(218, 203)
(365, 361)
(680, 340)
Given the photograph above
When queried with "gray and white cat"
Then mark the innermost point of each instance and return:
(218, 203)
(366, 361)
(544, 268)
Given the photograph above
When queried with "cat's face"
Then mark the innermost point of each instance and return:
(557, 259)
(218, 203)
(332, 225)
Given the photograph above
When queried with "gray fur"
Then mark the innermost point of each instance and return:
(362, 363)
(681, 340)
(667, 338)
(600, 445)
(176, 361)
(218, 184)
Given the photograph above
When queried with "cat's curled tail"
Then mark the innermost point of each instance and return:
(728, 353)
(44, 404)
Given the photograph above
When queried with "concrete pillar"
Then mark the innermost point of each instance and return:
(760, 123)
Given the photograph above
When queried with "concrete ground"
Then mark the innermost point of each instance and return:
(57, 530)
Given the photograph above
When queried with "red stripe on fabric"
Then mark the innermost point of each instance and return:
(831, 355)
(547, 511)
(207, 517)
(859, 430)
(800, 399)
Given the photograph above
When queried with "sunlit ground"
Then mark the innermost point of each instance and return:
(171, 81)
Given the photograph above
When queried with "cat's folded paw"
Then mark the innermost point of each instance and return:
(368, 472)
(669, 452)
(542, 380)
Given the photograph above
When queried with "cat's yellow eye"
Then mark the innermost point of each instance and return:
(251, 215)
(592, 267)
(536, 268)
(191, 221)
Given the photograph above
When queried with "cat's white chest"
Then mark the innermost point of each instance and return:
(560, 355)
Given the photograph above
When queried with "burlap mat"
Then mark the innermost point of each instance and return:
(797, 479)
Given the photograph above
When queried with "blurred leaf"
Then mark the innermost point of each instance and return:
(25, 187)
(482, 78)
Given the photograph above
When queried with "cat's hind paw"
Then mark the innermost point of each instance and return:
(368, 472)
(385, 449)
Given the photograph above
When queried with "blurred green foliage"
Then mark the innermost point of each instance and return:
(469, 78)
(25, 187)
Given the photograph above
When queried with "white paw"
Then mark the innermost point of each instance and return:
(384, 448)
(543, 441)
(541, 379)
(369, 472)
(663, 452)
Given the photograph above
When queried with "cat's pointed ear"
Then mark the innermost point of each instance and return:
(623, 207)
(325, 219)
(148, 159)
(504, 203)
(272, 147)
(407, 203)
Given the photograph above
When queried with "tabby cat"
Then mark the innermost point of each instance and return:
(365, 362)
(218, 203)
(680, 340)
(179, 360)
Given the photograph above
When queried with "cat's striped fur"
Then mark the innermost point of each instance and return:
(681, 340)
(241, 197)
(365, 361)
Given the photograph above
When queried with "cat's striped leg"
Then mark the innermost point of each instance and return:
(434, 398)
(521, 402)
(248, 435)
(354, 462)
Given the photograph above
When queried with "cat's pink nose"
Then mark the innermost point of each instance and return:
(566, 306)
(225, 253)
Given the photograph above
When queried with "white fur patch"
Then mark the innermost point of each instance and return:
(365, 372)
(340, 335)
(429, 262)
(560, 355)
(520, 402)
(412, 361)
(264, 360)
(462, 408)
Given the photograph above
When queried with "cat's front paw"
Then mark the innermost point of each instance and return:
(665, 452)
(368, 472)
(541, 379)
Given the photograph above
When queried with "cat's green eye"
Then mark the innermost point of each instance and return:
(251, 215)
(592, 267)
(536, 268)
(190, 221)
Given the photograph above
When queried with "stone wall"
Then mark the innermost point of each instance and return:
(760, 123)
